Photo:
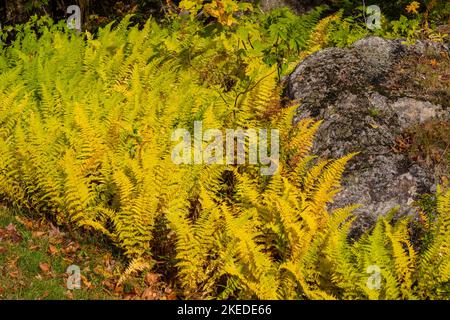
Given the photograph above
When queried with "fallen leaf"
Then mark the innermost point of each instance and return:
(45, 295)
(109, 262)
(3, 250)
(68, 260)
(14, 274)
(108, 284)
(37, 234)
(168, 290)
(12, 233)
(52, 250)
(118, 289)
(151, 278)
(102, 272)
(25, 222)
(72, 247)
(45, 267)
(12, 264)
(55, 241)
(86, 282)
(34, 247)
(55, 232)
(149, 294)
(172, 296)
(69, 294)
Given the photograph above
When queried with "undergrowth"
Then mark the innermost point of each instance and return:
(85, 139)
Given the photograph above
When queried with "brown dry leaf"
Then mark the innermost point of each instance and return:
(55, 241)
(37, 234)
(3, 250)
(72, 247)
(54, 232)
(45, 295)
(86, 269)
(172, 296)
(118, 289)
(14, 274)
(68, 260)
(12, 233)
(12, 264)
(149, 294)
(108, 284)
(25, 222)
(45, 267)
(134, 8)
(109, 262)
(2, 290)
(102, 272)
(106, 258)
(98, 269)
(69, 294)
(86, 282)
(151, 278)
(52, 250)
(34, 247)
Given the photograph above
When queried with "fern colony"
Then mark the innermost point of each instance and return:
(85, 139)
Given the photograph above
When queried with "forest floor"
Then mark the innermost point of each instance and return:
(35, 255)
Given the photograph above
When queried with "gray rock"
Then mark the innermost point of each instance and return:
(366, 102)
(295, 5)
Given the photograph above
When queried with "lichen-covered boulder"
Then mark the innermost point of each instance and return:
(294, 5)
(368, 96)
